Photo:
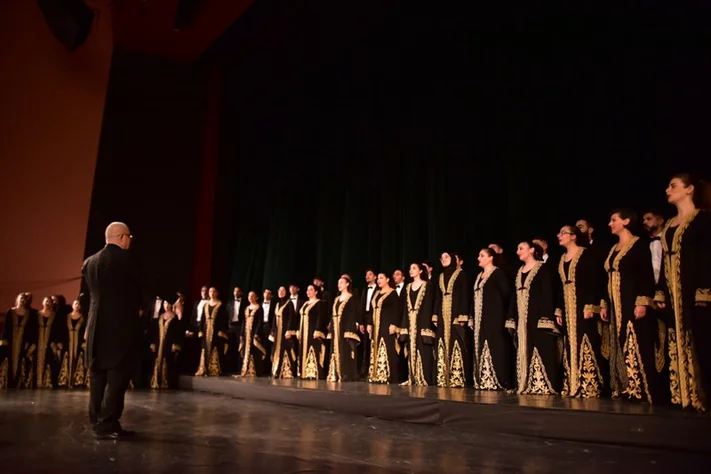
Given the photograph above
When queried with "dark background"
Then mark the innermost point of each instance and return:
(379, 136)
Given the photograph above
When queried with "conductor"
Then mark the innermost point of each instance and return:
(113, 329)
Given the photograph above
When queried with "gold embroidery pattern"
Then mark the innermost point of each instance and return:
(334, 371)
(685, 390)
(160, 367)
(413, 311)
(522, 300)
(571, 319)
(18, 333)
(457, 376)
(481, 280)
(378, 346)
(248, 369)
(702, 295)
(486, 375)
(443, 378)
(637, 378)
(659, 346)
(286, 371)
(3, 374)
(68, 373)
(441, 369)
(213, 366)
(279, 336)
(538, 382)
(382, 370)
(566, 372)
(614, 282)
(590, 385)
(43, 369)
(308, 355)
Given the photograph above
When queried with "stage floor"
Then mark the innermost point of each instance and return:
(551, 417)
(178, 431)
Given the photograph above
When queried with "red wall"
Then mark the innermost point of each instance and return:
(52, 103)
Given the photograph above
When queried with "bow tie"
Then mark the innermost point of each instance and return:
(293, 299)
(655, 238)
(266, 303)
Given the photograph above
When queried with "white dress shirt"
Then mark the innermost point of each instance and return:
(369, 298)
(156, 308)
(545, 257)
(200, 309)
(398, 288)
(655, 246)
(265, 307)
(235, 310)
(294, 301)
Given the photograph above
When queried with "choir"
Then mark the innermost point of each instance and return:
(627, 323)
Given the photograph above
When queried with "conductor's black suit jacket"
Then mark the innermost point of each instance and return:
(113, 327)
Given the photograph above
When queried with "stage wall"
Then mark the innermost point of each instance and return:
(50, 122)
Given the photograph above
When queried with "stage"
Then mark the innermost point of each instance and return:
(592, 421)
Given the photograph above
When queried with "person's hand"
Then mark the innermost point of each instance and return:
(288, 336)
(559, 320)
(370, 330)
(588, 314)
(603, 315)
(391, 330)
(361, 328)
(702, 304)
(661, 305)
(640, 311)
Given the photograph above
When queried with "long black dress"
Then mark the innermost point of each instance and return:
(213, 331)
(385, 355)
(538, 362)
(630, 283)
(252, 350)
(285, 360)
(452, 308)
(167, 343)
(687, 283)
(47, 363)
(18, 349)
(582, 355)
(344, 342)
(419, 332)
(493, 349)
(314, 321)
(73, 373)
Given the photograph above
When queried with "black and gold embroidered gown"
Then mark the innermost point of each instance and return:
(212, 329)
(18, 348)
(285, 359)
(343, 366)
(167, 344)
(686, 282)
(252, 351)
(452, 305)
(418, 333)
(314, 320)
(386, 347)
(538, 362)
(634, 366)
(493, 348)
(582, 356)
(73, 373)
(47, 363)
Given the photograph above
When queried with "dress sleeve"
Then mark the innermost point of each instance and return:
(703, 241)
(644, 275)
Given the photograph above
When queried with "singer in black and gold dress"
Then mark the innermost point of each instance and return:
(166, 345)
(252, 350)
(451, 314)
(312, 336)
(531, 318)
(577, 311)
(285, 359)
(417, 327)
(48, 346)
(493, 348)
(73, 372)
(686, 291)
(18, 346)
(385, 334)
(344, 334)
(213, 332)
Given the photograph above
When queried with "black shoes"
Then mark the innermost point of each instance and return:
(116, 435)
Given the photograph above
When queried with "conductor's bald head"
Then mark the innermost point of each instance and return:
(118, 233)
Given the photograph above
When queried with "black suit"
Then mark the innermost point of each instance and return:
(235, 331)
(365, 318)
(113, 332)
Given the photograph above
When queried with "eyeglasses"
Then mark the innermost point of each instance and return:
(565, 233)
(130, 236)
